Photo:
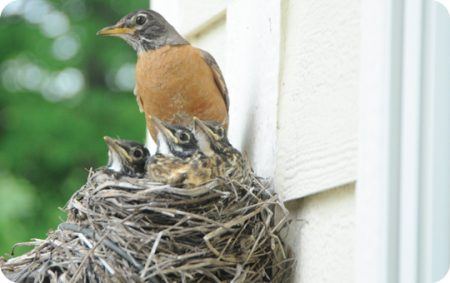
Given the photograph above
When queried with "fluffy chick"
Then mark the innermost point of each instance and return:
(126, 157)
(178, 160)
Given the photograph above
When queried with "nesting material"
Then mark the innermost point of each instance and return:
(130, 229)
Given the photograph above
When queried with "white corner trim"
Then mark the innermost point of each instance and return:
(252, 76)
(402, 197)
(410, 142)
(376, 253)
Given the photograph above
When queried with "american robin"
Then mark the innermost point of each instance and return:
(214, 143)
(174, 80)
(126, 157)
(178, 161)
(174, 140)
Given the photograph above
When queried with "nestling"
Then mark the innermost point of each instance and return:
(126, 157)
(174, 80)
(174, 140)
(178, 161)
(214, 143)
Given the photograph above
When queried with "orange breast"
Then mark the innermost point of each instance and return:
(174, 83)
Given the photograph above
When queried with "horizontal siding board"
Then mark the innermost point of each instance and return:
(317, 115)
(322, 236)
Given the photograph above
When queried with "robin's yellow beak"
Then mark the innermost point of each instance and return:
(116, 146)
(163, 129)
(115, 30)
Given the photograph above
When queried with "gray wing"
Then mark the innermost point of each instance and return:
(218, 77)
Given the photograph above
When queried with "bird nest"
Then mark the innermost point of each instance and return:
(130, 229)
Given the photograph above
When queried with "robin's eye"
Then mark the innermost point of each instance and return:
(183, 137)
(140, 20)
(137, 153)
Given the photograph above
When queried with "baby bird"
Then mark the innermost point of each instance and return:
(126, 157)
(178, 161)
(213, 142)
(174, 140)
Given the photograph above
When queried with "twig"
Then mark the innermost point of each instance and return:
(89, 233)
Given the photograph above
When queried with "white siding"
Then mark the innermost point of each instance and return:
(317, 118)
(322, 236)
(190, 16)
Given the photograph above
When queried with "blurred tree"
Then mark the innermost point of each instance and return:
(62, 89)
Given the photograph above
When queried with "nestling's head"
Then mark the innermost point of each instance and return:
(212, 137)
(144, 30)
(174, 140)
(127, 157)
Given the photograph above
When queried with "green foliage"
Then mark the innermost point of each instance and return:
(48, 141)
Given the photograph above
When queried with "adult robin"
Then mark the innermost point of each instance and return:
(126, 157)
(214, 143)
(174, 80)
(178, 161)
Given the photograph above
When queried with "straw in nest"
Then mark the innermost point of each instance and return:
(131, 229)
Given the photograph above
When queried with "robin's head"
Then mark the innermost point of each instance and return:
(127, 157)
(144, 30)
(174, 140)
(212, 137)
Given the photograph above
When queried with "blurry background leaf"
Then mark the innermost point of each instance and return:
(62, 89)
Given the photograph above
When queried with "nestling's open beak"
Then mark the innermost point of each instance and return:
(115, 30)
(117, 147)
(198, 124)
(161, 127)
